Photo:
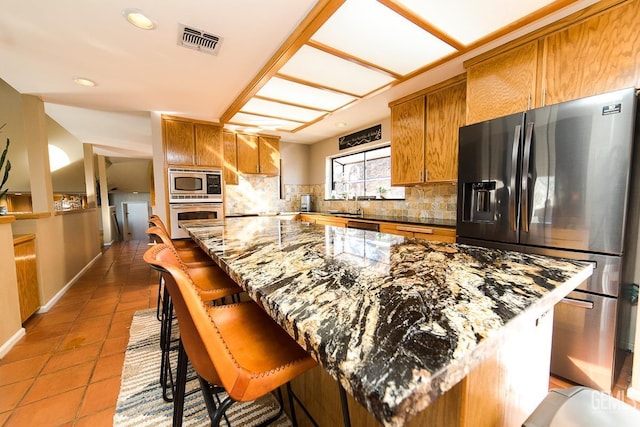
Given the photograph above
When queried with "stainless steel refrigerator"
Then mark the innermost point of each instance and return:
(555, 181)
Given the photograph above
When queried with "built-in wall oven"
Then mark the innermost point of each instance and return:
(193, 194)
(186, 211)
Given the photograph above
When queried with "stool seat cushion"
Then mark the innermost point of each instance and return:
(212, 283)
(253, 354)
(582, 407)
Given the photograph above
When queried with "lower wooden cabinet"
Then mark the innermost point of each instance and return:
(24, 248)
(438, 234)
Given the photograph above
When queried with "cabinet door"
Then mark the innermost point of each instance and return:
(407, 142)
(445, 114)
(595, 56)
(230, 158)
(208, 145)
(502, 85)
(247, 153)
(269, 155)
(179, 142)
(27, 273)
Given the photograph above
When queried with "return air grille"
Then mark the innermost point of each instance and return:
(194, 38)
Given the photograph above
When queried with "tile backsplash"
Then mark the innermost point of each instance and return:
(258, 194)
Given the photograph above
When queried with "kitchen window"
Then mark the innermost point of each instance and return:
(366, 174)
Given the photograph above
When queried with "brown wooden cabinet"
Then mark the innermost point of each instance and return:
(407, 141)
(208, 145)
(439, 234)
(269, 151)
(445, 115)
(502, 85)
(598, 55)
(230, 158)
(24, 248)
(424, 135)
(258, 154)
(585, 56)
(187, 143)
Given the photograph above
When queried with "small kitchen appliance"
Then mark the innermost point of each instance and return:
(305, 203)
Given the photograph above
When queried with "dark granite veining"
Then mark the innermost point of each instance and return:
(398, 321)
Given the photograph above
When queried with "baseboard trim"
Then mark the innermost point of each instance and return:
(8, 345)
(49, 305)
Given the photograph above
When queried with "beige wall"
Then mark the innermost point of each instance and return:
(65, 245)
(11, 114)
(10, 327)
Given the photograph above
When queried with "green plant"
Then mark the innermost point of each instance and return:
(381, 190)
(7, 167)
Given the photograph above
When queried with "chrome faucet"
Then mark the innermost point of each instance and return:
(357, 210)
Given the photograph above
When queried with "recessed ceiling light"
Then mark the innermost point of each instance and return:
(138, 18)
(83, 81)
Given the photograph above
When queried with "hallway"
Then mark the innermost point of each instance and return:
(66, 370)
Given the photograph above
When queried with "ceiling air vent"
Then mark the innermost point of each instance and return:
(194, 38)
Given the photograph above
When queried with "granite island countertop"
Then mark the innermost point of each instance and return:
(398, 321)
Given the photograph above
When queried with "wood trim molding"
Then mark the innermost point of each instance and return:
(444, 84)
(311, 23)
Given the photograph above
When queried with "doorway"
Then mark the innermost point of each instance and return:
(135, 220)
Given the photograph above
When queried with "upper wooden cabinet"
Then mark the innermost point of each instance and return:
(598, 55)
(208, 145)
(269, 155)
(502, 85)
(407, 141)
(192, 144)
(424, 135)
(230, 158)
(587, 56)
(445, 115)
(258, 154)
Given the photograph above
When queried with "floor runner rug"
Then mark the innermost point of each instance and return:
(140, 400)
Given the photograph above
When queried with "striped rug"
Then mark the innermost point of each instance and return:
(140, 400)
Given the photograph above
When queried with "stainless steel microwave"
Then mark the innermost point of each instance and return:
(195, 185)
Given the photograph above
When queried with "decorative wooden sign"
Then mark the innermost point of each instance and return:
(371, 134)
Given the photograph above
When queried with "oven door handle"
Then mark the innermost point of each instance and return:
(577, 303)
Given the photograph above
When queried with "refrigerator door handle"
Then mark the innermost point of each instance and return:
(524, 195)
(512, 183)
(577, 303)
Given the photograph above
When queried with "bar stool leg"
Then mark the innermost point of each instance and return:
(345, 406)
(181, 380)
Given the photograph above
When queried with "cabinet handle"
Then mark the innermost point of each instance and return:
(420, 176)
(426, 174)
(529, 101)
(257, 168)
(544, 97)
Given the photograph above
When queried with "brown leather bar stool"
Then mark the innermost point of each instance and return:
(180, 245)
(237, 347)
(212, 284)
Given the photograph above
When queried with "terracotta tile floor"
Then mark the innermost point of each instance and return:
(66, 370)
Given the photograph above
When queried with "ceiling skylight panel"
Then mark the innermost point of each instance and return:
(315, 66)
(276, 109)
(264, 122)
(370, 31)
(470, 20)
(299, 94)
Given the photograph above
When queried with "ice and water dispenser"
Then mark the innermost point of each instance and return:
(479, 201)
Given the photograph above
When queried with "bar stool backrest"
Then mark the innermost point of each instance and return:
(164, 257)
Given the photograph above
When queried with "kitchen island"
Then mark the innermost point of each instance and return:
(397, 321)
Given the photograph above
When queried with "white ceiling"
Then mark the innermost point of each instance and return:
(45, 44)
